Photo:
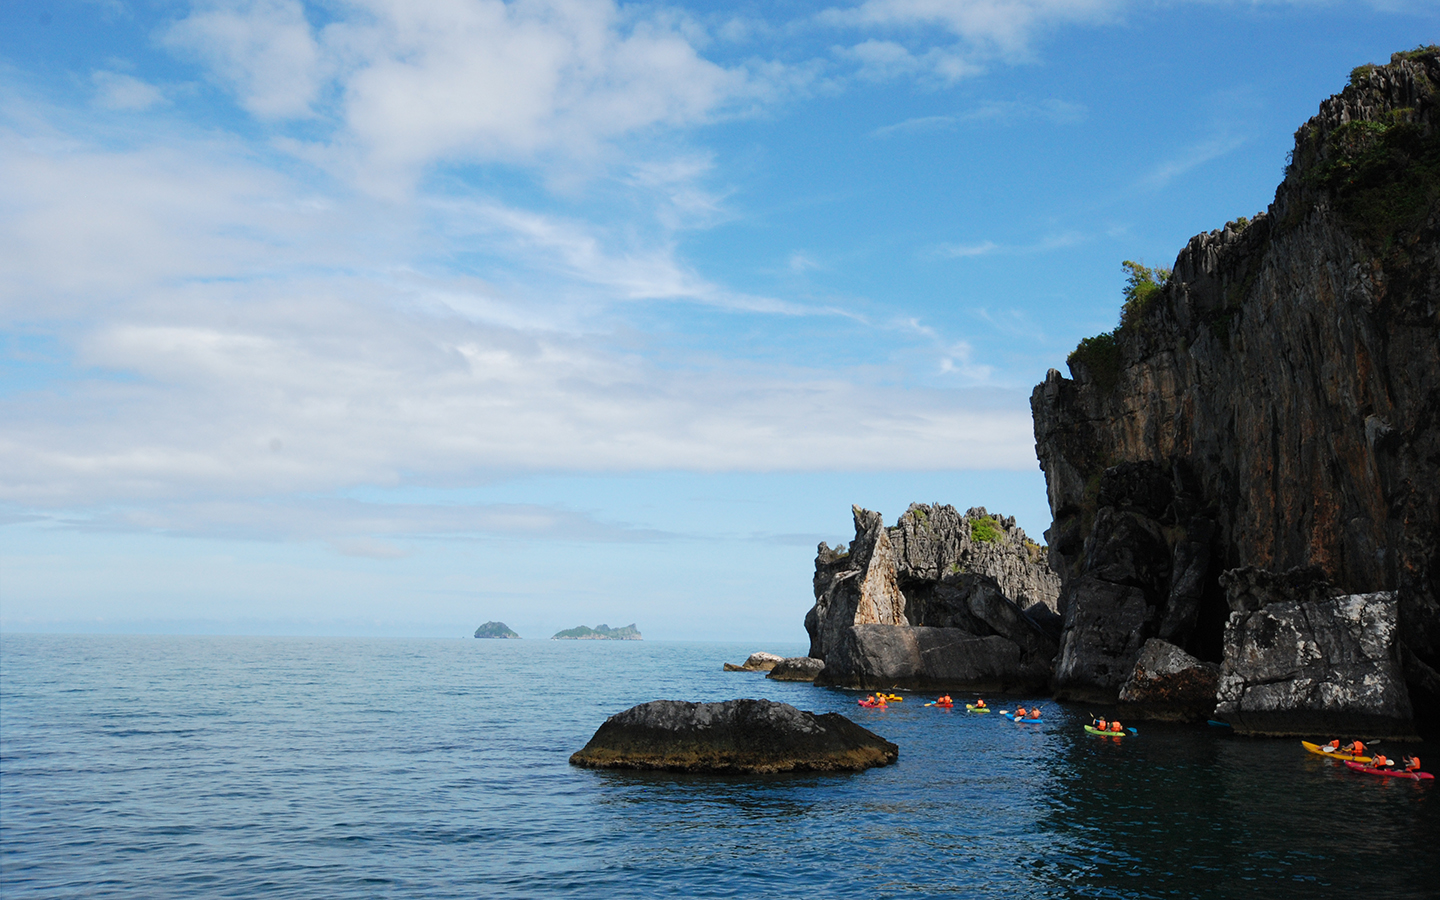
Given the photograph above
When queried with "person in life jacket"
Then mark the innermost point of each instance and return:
(979, 703)
(1115, 726)
(1412, 763)
(1101, 724)
(1381, 761)
(1357, 748)
(1034, 712)
(1332, 746)
(1019, 712)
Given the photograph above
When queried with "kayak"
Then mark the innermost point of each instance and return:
(973, 708)
(870, 704)
(1093, 730)
(1018, 719)
(941, 705)
(1216, 723)
(893, 698)
(1334, 754)
(1397, 773)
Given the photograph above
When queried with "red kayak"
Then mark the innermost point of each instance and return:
(1390, 773)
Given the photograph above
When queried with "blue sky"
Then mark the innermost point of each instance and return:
(388, 317)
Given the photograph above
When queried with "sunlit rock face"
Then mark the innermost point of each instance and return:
(1275, 405)
(941, 600)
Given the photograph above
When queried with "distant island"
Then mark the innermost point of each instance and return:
(598, 633)
(496, 630)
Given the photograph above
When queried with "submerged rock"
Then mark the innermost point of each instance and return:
(797, 668)
(1169, 685)
(737, 736)
(757, 662)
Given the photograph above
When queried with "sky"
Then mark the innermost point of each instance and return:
(393, 317)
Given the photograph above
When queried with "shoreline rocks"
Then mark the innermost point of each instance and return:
(797, 668)
(757, 662)
(734, 737)
(1169, 685)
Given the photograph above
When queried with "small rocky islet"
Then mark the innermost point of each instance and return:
(598, 633)
(1243, 476)
(496, 630)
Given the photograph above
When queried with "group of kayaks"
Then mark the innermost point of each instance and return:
(1022, 715)
(1359, 762)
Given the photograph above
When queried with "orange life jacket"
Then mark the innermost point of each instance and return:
(1333, 745)
(1413, 764)
(1380, 762)
(1115, 726)
(1357, 747)
(1102, 725)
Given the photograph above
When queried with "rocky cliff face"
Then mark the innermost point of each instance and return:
(1275, 405)
(905, 605)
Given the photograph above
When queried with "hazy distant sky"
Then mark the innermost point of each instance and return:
(396, 316)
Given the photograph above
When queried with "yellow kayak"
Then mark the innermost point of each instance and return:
(1334, 754)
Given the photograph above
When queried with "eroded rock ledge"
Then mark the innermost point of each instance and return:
(737, 736)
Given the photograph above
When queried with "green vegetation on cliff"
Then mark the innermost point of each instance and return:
(1100, 355)
(598, 633)
(986, 530)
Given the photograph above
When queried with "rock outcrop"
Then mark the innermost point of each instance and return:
(796, 668)
(905, 605)
(1299, 662)
(737, 736)
(1168, 684)
(1276, 405)
(756, 662)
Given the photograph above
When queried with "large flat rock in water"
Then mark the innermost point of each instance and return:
(737, 736)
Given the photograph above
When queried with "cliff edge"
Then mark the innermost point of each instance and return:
(1274, 405)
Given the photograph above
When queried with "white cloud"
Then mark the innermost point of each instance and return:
(235, 336)
(1191, 158)
(992, 26)
(114, 90)
(262, 50)
(414, 82)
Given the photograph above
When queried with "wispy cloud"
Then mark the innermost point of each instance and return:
(1190, 158)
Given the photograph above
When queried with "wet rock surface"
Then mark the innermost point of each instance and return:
(734, 737)
(1169, 685)
(876, 657)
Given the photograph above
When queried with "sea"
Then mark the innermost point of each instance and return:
(187, 766)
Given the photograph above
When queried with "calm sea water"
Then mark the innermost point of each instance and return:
(332, 768)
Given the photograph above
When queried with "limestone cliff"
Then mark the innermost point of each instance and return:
(940, 600)
(1276, 405)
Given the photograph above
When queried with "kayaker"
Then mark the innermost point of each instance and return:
(1332, 746)
(979, 703)
(1115, 726)
(1412, 763)
(1019, 712)
(1035, 712)
(1357, 748)
(1381, 761)
(1101, 724)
